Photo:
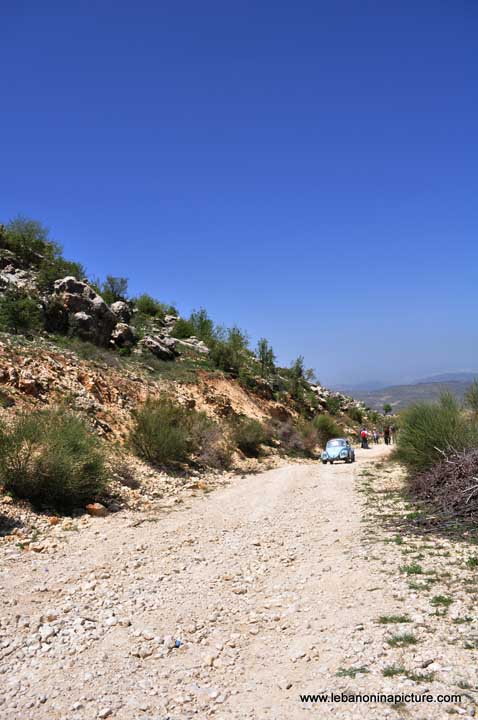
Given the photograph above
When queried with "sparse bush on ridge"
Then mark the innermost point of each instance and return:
(296, 377)
(183, 329)
(229, 350)
(147, 305)
(51, 458)
(28, 240)
(203, 325)
(266, 358)
(55, 269)
(113, 289)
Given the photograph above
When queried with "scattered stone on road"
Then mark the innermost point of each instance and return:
(229, 608)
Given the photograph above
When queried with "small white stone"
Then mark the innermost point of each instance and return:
(169, 641)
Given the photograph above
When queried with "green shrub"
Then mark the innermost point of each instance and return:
(56, 268)
(19, 313)
(27, 239)
(430, 431)
(183, 329)
(286, 434)
(294, 438)
(248, 435)
(229, 350)
(223, 357)
(164, 433)
(211, 447)
(266, 358)
(373, 416)
(114, 289)
(471, 397)
(147, 305)
(308, 435)
(51, 458)
(326, 428)
(161, 432)
(5, 400)
(333, 404)
(356, 414)
(203, 325)
(296, 379)
(248, 380)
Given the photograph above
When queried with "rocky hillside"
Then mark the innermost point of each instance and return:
(88, 347)
(65, 316)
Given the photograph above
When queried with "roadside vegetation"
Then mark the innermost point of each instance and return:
(438, 444)
(165, 433)
(52, 458)
(327, 428)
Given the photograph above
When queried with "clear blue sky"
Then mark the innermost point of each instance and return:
(307, 170)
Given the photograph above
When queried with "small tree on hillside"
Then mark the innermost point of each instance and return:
(229, 350)
(18, 313)
(52, 269)
(297, 377)
(114, 289)
(28, 239)
(266, 357)
(203, 325)
(387, 408)
(147, 305)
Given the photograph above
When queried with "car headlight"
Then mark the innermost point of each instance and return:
(324, 455)
(343, 453)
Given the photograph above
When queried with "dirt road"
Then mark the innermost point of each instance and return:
(264, 586)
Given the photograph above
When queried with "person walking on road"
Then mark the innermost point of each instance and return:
(386, 435)
(364, 439)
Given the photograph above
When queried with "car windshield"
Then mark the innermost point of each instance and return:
(335, 443)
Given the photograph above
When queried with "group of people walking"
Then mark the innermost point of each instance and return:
(388, 435)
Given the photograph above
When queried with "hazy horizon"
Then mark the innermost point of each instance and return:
(306, 172)
(373, 384)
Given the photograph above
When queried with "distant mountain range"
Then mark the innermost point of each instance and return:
(399, 396)
(462, 376)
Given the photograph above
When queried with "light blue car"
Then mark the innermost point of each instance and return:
(338, 449)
